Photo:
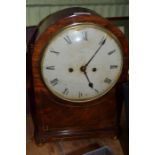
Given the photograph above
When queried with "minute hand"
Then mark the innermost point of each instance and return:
(102, 43)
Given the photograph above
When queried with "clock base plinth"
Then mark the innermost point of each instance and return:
(49, 136)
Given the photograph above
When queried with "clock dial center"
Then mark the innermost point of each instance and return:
(83, 69)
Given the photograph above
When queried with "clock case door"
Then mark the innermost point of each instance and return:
(58, 119)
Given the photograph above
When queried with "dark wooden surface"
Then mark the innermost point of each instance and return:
(57, 119)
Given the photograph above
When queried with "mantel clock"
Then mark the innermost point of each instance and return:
(78, 59)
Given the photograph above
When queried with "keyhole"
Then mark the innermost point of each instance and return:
(70, 70)
(94, 69)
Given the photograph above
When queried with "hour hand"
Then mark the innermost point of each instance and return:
(90, 84)
(83, 69)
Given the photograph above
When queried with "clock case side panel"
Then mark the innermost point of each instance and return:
(32, 99)
(49, 105)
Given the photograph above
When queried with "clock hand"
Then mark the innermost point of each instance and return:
(83, 69)
(102, 43)
(90, 84)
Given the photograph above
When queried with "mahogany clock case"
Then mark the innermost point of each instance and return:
(55, 118)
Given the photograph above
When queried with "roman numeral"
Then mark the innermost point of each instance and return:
(107, 80)
(113, 66)
(66, 91)
(96, 91)
(50, 67)
(80, 94)
(55, 52)
(68, 40)
(111, 52)
(85, 36)
(54, 82)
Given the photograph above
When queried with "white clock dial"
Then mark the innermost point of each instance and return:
(81, 63)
